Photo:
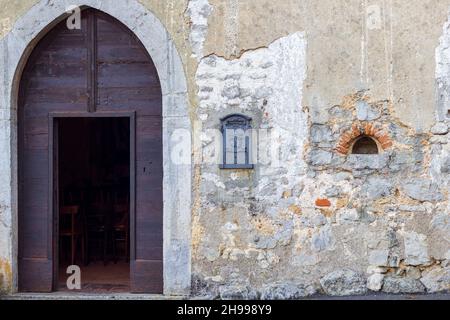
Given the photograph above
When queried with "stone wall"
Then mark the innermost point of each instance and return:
(319, 220)
(344, 224)
(310, 218)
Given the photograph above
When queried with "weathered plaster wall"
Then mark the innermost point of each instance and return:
(314, 69)
(386, 225)
(349, 48)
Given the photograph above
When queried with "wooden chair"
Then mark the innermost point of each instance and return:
(120, 230)
(71, 226)
(98, 228)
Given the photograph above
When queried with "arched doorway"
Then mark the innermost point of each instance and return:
(98, 73)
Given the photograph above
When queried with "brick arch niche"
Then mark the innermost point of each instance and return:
(359, 131)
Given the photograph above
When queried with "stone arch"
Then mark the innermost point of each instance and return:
(16, 47)
(358, 131)
(364, 145)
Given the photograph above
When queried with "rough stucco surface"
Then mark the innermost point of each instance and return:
(313, 69)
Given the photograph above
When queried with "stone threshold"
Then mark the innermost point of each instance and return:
(131, 296)
(89, 296)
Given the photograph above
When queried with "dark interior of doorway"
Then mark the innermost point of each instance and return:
(94, 202)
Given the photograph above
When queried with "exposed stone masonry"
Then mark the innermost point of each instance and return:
(347, 224)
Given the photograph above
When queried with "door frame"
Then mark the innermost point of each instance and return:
(53, 200)
(177, 183)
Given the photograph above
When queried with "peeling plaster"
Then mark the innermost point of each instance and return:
(266, 83)
(198, 12)
(443, 73)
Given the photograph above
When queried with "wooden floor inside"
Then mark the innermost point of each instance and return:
(98, 278)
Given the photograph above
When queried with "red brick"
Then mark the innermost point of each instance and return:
(356, 131)
(323, 203)
(384, 139)
(387, 145)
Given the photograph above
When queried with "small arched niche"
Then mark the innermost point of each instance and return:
(364, 145)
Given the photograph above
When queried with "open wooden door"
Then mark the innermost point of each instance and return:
(101, 69)
(147, 256)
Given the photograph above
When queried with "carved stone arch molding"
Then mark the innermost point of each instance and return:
(15, 48)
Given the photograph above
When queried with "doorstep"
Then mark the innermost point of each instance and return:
(89, 296)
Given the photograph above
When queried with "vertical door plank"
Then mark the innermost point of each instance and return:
(54, 79)
(127, 80)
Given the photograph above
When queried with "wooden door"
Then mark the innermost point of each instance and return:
(101, 69)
